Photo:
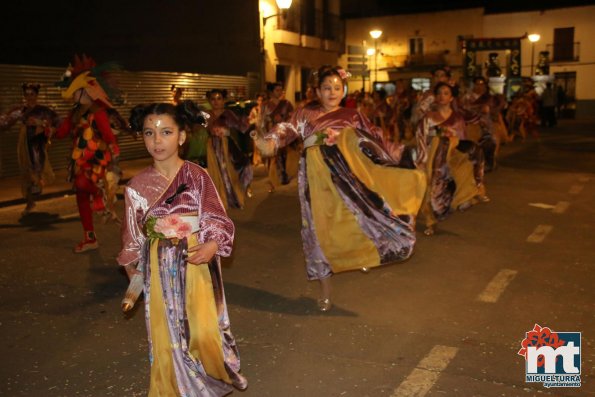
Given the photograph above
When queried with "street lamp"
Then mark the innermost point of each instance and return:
(283, 6)
(375, 34)
(533, 38)
(369, 53)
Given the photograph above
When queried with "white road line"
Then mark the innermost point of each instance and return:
(575, 189)
(539, 233)
(494, 289)
(421, 379)
(561, 207)
(542, 205)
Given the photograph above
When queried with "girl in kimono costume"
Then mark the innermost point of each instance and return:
(38, 123)
(176, 229)
(454, 166)
(230, 168)
(358, 204)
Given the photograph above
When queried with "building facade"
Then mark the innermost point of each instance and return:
(297, 41)
(411, 45)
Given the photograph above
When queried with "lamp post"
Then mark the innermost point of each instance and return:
(369, 53)
(533, 38)
(375, 34)
(282, 6)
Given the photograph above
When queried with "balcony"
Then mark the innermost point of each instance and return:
(316, 30)
(564, 52)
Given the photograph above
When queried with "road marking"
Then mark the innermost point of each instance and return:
(494, 289)
(575, 189)
(539, 233)
(422, 378)
(542, 205)
(561, 207)
(70, 216)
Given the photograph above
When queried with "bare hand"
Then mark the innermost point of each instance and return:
(202, 253)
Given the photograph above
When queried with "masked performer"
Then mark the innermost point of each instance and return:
(38, 123)
(95, 150)
(177, 228)
(230, 168)
(358, 205)
(453, 165)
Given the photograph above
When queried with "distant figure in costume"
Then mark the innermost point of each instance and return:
(95, 151)
(229, 166)
(257, 122)
(195, 148)
(283, 166)
(38, 122)
(358, 203)
(454, 166)
(176, 229)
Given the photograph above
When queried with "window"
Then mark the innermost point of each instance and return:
(416, 46)
(564, 44)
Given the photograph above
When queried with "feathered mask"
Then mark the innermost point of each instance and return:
(96, 80)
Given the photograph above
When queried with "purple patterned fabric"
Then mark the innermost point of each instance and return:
(190, 192)
(394, 236)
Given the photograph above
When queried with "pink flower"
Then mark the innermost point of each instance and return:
(173, 226)
(331, 136)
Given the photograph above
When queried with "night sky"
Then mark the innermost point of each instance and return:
(370, 8)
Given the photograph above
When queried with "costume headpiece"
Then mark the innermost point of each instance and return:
(96, 80)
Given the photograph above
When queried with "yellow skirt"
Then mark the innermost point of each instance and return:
(204, 343)
(344, 244)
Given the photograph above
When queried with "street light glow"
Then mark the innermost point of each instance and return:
(370, 51)
(284, 4)
(375, 33)
(534, 37)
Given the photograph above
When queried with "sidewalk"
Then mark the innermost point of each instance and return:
(10, 188)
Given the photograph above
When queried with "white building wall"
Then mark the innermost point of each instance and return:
(543, 23)
(439, 31)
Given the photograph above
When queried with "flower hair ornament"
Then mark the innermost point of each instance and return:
(343, 73)
(96, 80)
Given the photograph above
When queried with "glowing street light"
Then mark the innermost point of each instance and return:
(533, 38)
(375, 34)
(283, 6)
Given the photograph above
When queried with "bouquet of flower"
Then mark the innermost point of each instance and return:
(327, 137)
(170, 226)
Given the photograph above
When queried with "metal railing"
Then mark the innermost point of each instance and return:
(564, 52)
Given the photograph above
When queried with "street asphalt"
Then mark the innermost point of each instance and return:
(447, 322)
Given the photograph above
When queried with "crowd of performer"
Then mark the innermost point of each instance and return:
(367, 167)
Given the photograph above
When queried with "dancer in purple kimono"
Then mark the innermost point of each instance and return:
(358, 204)
(176, 229)
(454, 166)
(230, 168)
(38, 123)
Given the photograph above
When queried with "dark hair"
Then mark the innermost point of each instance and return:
(328, 70)
(31, 86)
(185, 114)
(445, 69)
(217, 91)
(454, 90)
(272, 85)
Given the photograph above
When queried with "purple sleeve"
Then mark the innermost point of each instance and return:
(214, 224)
(132, 235)
(286, 132)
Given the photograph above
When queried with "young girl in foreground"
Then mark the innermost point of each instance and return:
(176, 227)
(358, 204)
